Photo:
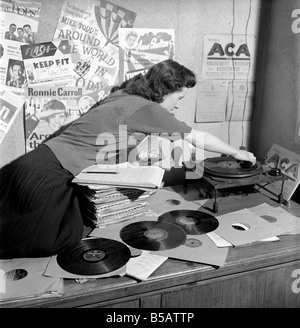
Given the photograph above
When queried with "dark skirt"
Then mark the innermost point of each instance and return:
(41, 210)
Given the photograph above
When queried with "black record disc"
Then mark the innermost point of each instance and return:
(94, 256)
(192, 222)
(152, 235)
(228, 167)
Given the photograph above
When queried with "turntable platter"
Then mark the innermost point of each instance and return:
(228, 167)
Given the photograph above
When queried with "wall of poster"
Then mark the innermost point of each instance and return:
(190, 21)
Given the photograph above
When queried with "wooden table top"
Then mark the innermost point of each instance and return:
(175, 272)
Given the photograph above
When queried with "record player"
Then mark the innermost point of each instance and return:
(226, 172)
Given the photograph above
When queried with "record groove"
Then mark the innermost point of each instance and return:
(192, 222)
(153, 235)
(94, 256)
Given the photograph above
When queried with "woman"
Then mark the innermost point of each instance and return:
(41, 211)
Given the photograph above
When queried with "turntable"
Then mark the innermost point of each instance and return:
(226, 172)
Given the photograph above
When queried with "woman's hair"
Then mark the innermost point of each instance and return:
(131, 33)
(163, 78)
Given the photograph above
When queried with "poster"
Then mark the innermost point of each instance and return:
(229, 57)
(12, 70)
(211, 100)
(10, 106)
(19, 21)
(90, 30)
(141, 48)
(48, 110)
(289, 164)
(240, 101)
(47, 63)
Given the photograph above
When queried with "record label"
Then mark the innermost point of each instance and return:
(156, 234)
(94, 256)
(192, 242)
(192, 222)
(152, 235)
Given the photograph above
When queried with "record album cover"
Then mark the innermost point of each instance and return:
(24, 278)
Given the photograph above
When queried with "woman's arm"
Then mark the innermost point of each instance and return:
(211, 143)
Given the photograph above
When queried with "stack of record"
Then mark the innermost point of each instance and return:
(117, 204)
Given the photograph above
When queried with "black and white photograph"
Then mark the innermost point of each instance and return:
(150, 158)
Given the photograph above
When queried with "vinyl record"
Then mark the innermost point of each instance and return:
(192, 222)
(152, 235)
(94, 256)
(228, 167)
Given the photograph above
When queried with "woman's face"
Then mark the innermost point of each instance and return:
(172, 99)
(131, 41)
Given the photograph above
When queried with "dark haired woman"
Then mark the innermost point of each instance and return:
(41, 211)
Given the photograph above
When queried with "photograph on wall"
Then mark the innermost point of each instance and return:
(10, 106)
(229, 57)
(19, 21)
(90, 30)
(12, 70)
(47, 63)
(48, 110)
(141, 48)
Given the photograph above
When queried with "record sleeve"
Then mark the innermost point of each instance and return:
(23, 278)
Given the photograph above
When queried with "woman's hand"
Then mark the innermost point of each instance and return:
(244, 155)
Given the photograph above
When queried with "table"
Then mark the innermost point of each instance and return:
(258, 275)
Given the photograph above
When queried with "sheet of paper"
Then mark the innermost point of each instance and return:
(211, 101)
(240, 101)
(219, 241)
(142, 266)
(131, 175)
